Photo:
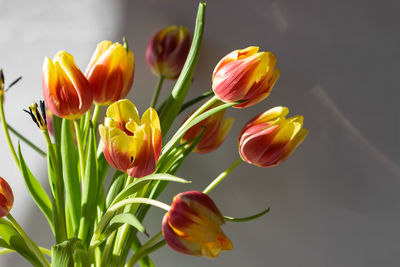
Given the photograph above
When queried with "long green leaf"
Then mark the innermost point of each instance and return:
(116, 186)
(37, 192)
(62, 254)
(89, 190)
(248, 218)
(138, 184)
(173, 104)
(195, 100)
(119, 220)
(71, 176)
(14, 241)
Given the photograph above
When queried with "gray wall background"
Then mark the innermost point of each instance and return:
(335, 202)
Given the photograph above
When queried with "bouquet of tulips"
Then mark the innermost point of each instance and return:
(98, 225)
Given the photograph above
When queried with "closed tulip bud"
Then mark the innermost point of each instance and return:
(6, 198)
(110, 72)
(270, 138)
(245, 75)
(130, 144)
(192, 226)
(215, 127)
(66, 91)
(167, 51)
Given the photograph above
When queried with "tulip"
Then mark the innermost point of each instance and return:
(110, 72)
(270, 138)
(167, 51)
(192, 226)
(130, 144)
(6, 198)
(215, 127)
(245, 75)
(66, 91)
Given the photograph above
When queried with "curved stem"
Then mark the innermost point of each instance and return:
(195, 100)
(157, 91)
(45, 251)
(175, 139)
(32, 246)
(80, 148)
(142, 253)
(5, 128)
(222, 176)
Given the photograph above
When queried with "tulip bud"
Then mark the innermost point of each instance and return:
(245, 75)
(1, 82)
(192, 226)
(110, 72)
(130, 144)
(66, 91)
(215, 127)
(269, 138)
(6, 198)
(167, 51)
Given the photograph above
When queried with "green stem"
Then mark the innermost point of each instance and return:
(157, 91)
(107, 249)
(26, 141)
(96, 113)
(60, 227)
(144, 253)
(181, 131)
(32, 246)
(6, 133)
(80, 148)
(222, 176)
(195, 100)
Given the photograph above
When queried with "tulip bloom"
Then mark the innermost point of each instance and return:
(6, 198)
(245, 75)
(216, 129)
(110, 72)
(270, 138)
(130, 144)
(192, 226)
(167, 51)
(66, 91)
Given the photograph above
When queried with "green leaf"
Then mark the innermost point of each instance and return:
(37, 192)
(11, 239)
(89, 190)
(116, 186)
(121, 219)
(173, 103)
(246, 219)
(139, 183)
(70, 175)
(62, 254)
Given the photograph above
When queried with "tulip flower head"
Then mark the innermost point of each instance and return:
(245, 75)
(192, 226)
(6, 198)
(130, 144)
(66, 91)
(167, 51)
(270, 138)
(216, 128)
(110, 72)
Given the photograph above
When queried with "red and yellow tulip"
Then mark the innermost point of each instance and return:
(245, 75)
(6, 198)
(66, 91)
(270, 137)
(167, 51)
(110, 72)
(216, 129)
(192, 226)
(130, 144)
